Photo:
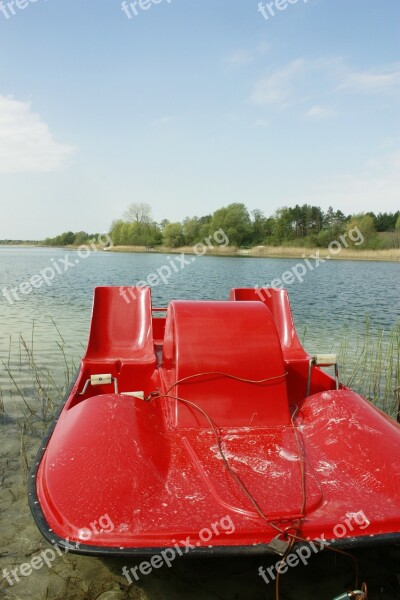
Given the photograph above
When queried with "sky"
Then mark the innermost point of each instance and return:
(191, 105)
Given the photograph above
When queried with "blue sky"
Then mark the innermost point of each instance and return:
(191, 105)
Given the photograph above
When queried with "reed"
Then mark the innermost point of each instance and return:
(369, 359)
(345, 253)
(299, 252)
(43, 392)
(1, 403)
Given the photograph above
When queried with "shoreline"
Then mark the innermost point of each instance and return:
(392, 255)
(290, 252)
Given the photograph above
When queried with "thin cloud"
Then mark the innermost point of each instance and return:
(279, 87)
(309, 81)
(239, 58)
(320, 112)
(26, 143)
(162, 121)
(374, 81)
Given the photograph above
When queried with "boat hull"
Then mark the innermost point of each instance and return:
(121, 475)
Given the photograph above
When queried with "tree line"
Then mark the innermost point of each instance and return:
(304, 225)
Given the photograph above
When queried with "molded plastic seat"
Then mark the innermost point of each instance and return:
(277, 301)
(121, 327)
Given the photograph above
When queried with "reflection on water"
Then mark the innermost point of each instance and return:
(43, 335)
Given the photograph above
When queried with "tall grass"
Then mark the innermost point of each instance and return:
(33, 393)
(34, 390)
(369, 359)
(389, 254)
(392, 254)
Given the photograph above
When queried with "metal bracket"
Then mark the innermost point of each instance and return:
(356, 594)
(322, 360)
(100, 379)
(279, 546)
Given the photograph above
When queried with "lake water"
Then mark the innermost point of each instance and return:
(332, 294)
(53, 320)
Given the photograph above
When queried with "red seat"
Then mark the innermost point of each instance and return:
(278, 303)
(296, 358)
(121, 327)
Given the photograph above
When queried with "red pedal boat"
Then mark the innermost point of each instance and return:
(207, 427)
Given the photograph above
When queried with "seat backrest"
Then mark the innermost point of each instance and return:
(121, 326)
(277, 301)
(203, 338)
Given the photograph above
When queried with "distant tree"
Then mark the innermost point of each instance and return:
(235, 221)
(365, 224)
(306, 220)
(81, 238)
(205, 227)
(195, 229)
(126, 238)
(329, 220)
(146, 234)
(333, 223)
(173, 235)
(153, 236)
(386, 221)
(163, 224)
(138, 212)
(191, 230)
(67, 238)
(297, 225)
(282, 227)
(324, 238)
(115, 232)
(259, 226)
(340, 221)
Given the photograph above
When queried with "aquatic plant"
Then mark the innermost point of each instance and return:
(369, 360)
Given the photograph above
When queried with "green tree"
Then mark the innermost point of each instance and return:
(81, 238)
(163, 224)
(282, 229)
(191, 230)
(235, 221)
(259, 227)
(324, 238)
(115, 232)
(333, 223)
(386, 221)
(365, 223)
(125, 234)
(66, 239)
(173, 235)
(205, 227)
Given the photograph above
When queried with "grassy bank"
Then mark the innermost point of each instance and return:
(273, 252)
(392, 255)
